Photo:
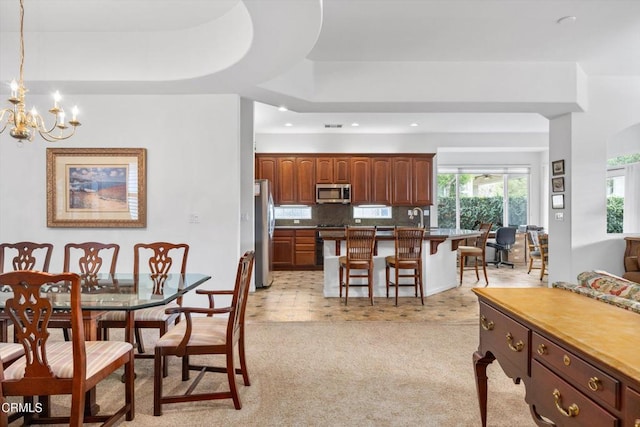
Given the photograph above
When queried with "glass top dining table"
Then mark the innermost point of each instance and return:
(124, 292)
(120, 292)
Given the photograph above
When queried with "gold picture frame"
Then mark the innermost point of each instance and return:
(96, 187)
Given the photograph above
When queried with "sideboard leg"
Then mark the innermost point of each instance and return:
(480, 363)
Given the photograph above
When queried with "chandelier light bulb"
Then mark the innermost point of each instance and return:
(74, 113)
(14, 88)
(56, 99)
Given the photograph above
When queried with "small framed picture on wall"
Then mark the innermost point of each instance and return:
(557, 201)
(557, 167)
(557, 184)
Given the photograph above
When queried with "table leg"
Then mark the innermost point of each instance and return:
(128, 336)
(480, 363)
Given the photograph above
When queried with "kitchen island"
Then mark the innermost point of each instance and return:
(438, 261)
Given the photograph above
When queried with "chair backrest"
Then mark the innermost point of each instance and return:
(28, 256)
(160, 262)
(543, 245)
(532, 240)
(89, 258)
(409, 242)
(30, 310)
(484, 228)
(506, 236)
(360, 243)
(240, 294)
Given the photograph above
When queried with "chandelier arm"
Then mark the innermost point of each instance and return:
(52, 138)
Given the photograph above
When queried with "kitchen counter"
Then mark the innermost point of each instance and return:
(439, 255)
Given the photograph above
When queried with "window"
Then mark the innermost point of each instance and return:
(467, 197)
(292, 212)
(374, 212)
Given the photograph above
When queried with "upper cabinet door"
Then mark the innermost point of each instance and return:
(381, 180)
(422, 181)
(360, 180)
(266, 168)
(401, 181)
(286, 183)
(341, 169)
(324, 170)
(306, 180)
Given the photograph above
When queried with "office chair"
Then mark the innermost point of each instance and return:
(505, 238)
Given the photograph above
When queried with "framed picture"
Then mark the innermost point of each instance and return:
(557, 184)
(96, 187)
(557, 167)
(557, 201)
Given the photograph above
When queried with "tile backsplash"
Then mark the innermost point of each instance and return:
(336, 214)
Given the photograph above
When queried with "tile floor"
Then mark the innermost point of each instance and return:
(297, 296)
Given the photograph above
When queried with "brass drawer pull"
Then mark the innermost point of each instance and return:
(567, 360)
(486, 325)
(573, 409)
(594, 383)
(517, 347)
(542, 349)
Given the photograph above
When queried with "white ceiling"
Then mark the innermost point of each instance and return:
(603, 40)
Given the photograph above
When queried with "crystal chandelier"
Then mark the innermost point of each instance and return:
(22, 124)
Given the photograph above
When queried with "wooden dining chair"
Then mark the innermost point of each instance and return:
(360, 247)
(59, 368)
(22, 256)
(407, 256)
(476, 251)
(538, 252)
(86, 259)
(207, 335)
(158, 260)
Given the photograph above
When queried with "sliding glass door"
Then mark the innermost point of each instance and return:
(468, 197)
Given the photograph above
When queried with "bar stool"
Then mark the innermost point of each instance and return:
(408, 256)
(360, 244)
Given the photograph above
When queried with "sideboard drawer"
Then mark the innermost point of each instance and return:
(507, 339)
(632, 411)
(555, 399)
(588, 379)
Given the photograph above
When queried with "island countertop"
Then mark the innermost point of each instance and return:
(434, 235)
(429, 234)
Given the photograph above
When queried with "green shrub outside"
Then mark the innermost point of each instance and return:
(480, 209)
(615, 214)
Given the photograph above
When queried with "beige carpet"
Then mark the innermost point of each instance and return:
(343, 373)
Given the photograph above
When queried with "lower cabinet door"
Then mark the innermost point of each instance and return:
(556, 400)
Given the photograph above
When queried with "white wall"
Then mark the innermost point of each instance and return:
(193, 167)
(582, 242)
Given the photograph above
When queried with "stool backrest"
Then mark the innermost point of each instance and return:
(408, 242)
(360, 243)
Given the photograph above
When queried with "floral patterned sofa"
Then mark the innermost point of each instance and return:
(606, 287)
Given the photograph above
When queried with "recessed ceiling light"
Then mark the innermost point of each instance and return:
(282, 108)
(354, 124)
(569, 19)
(414, 124)
(288, 124)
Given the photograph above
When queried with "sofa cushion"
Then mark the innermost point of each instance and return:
(611, 284)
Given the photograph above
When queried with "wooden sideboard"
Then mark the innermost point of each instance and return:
(577, 357)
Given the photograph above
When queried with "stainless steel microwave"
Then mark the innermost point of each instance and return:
(333, 193)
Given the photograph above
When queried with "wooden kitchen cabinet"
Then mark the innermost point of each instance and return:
(422, 181)
(305, 244)
(305, 185)
(332, 170)
(286, 181)
(395, 180)
(401, 181)
(266, 168)
(360, 180)
(283, 249)
(381, 181)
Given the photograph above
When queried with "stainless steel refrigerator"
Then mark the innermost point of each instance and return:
(265, 223)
